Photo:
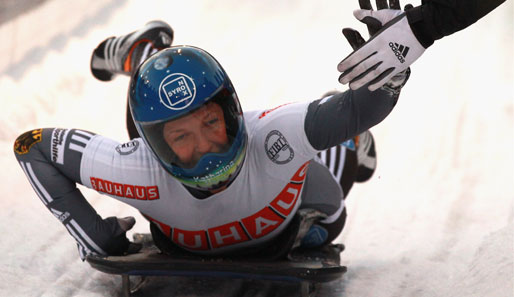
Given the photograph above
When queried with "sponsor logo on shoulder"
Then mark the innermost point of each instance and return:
(277, 148)
(399, 50)
(177, 91)
(127, 148)
(26, 140)
(57, 145)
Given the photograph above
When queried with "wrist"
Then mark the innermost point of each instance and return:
(396, 83)
(419, 27)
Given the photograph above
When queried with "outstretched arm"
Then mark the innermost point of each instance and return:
(405, 36)
(51, 159)
(332, 120)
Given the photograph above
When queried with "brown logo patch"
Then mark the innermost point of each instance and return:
(26, 140)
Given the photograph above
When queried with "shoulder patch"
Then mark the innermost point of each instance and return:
(277, 148)
(26, 140)
(127, 148)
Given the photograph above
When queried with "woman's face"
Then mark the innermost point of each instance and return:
(200, 132)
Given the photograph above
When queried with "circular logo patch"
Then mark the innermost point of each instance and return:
(177, 91)
(277, 148)
(127, 148)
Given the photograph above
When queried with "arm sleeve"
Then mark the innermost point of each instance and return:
(51, 158)
(435, 19)
(332, 120)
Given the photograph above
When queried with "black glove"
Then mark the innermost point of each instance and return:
(119, 244)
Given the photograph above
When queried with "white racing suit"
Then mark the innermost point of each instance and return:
(285, 145)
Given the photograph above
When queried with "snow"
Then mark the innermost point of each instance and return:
(437, 218)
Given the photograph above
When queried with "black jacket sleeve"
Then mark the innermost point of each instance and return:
(435, 19)
(332, 120)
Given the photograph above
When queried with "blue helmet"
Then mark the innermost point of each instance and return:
(178, 95)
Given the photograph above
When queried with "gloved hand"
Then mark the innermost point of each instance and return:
(391, 49)
(119, 244)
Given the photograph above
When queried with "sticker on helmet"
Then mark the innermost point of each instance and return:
(277, 148)
(177, 91)
(162, 63)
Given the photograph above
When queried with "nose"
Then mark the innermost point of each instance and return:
(203, 144)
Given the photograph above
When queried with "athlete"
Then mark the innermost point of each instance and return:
(210, 178)
(404, 36)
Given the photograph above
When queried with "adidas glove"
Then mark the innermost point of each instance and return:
(391, 50)
(396, 83)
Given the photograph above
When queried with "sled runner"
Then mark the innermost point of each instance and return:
(308, 268)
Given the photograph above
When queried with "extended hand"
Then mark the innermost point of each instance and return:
(391, 49)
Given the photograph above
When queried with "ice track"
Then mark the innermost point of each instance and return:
(437, 218)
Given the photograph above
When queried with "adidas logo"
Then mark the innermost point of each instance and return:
(399, 50)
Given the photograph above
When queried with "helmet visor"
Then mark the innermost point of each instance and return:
(203, 143)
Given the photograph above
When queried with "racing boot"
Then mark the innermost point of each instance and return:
(123, 54)
(366, 156)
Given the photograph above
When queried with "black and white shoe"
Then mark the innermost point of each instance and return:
(366, 156)
(124, 53)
